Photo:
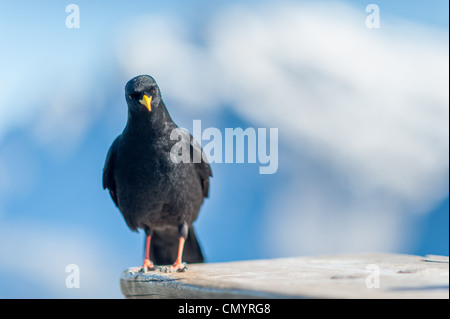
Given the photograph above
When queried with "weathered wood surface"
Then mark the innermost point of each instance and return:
(339, 276)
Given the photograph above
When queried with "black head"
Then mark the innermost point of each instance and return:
(142, 94)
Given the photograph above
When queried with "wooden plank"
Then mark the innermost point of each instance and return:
(339, 276)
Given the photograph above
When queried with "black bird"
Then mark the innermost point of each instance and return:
(153, 191)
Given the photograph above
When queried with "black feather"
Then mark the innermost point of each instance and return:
(150, 189)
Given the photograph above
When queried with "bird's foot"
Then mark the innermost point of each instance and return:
(147, 266)
(178, 266)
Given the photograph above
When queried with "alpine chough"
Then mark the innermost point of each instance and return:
(152, 191)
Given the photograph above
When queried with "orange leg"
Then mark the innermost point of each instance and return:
(147, 262)
(178, 265)
(147, 265)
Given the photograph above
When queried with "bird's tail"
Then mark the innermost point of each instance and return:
(164, 247)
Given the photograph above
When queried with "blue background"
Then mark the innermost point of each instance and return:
(53, 210)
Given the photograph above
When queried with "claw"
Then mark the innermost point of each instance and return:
(147, 266)
(178, 266)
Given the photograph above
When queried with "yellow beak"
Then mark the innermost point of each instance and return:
(147, 102)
